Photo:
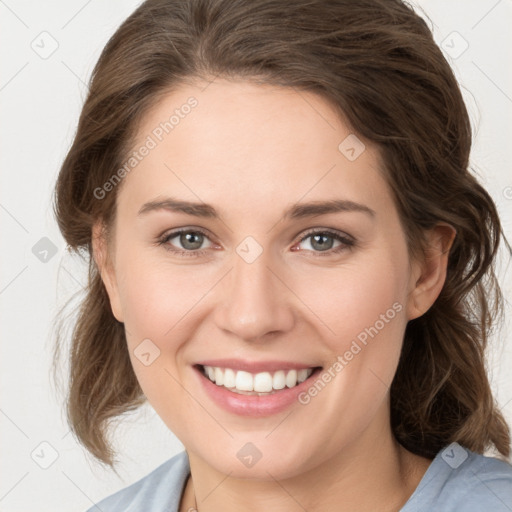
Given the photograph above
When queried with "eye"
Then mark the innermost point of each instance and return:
(190, 240)
(322, 242)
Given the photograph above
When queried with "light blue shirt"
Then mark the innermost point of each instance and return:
(457, 480)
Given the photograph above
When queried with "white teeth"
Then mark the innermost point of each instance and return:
(243, 380)
(229, 378)
(302, 375)
(291, 378)
(219, 377)
(279, 380)
(262, 383)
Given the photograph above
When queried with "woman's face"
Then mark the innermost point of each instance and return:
(248, 287)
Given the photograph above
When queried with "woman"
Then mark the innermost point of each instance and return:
(289, 259)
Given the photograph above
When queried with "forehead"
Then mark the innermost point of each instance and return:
(240, 144)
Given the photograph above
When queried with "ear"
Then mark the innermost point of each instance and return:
(429, 274)
(105, 267)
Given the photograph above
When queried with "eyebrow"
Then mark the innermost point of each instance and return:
(296, 211)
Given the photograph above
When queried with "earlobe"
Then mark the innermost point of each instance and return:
(429, 275)
(105, 267)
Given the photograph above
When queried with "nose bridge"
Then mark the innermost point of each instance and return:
(254, 302)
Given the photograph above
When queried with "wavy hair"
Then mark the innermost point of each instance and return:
(377, 64)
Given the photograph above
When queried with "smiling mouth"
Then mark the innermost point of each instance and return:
(259, 384)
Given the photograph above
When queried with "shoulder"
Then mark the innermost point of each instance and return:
(485, 481)
(158, 491)
(461, 480)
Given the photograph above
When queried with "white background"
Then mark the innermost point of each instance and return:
(40, 102)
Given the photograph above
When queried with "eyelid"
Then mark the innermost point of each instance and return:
(171, 233)
(327, 231)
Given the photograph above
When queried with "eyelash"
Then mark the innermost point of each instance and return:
(346, 242)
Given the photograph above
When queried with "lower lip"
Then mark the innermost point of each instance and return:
(254, 405)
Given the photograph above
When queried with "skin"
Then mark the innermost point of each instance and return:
(252, 151)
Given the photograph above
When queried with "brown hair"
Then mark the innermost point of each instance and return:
(376, 63)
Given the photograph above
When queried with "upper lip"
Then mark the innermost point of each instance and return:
(256, 366)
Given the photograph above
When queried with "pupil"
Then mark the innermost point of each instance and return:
(322, 245)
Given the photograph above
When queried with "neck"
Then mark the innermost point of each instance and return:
(372, 473)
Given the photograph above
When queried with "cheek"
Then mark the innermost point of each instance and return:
(367, 293)
(362, 306)
(159, 301)
(156, 295)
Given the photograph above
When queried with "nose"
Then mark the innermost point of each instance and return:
(254, 300)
